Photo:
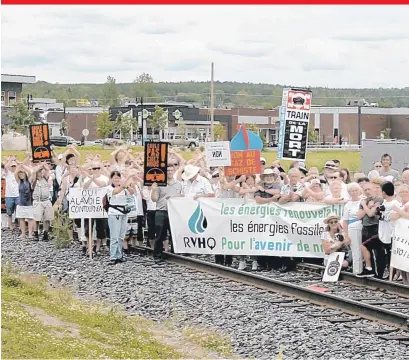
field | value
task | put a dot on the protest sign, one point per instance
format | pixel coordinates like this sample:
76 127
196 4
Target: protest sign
400 246
40 142
218 153
232 227
246 162
294 119
86 203
156 163
334 267
3 195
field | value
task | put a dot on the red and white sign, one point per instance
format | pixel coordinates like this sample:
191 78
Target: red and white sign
299 100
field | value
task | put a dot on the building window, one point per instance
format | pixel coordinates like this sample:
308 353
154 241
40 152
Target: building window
12 98
2 98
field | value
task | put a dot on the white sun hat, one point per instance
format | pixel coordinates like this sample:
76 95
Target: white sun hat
190 171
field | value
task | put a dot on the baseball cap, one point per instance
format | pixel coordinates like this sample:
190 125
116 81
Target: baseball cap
330 165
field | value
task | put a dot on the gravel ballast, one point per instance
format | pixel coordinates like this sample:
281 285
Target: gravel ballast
256 326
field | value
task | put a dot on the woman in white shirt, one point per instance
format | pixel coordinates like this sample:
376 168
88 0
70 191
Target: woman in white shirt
332 239
117 214
353 226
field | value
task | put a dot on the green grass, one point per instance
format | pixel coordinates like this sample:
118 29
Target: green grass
40 323
349 159
211 341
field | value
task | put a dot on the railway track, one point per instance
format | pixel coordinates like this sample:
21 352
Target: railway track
348 301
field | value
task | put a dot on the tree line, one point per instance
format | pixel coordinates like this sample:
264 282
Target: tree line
227 94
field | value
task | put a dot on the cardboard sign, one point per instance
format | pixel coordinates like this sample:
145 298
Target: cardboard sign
218 153
3 195
156 163
40 142
334 266
86 203
294 120
246 162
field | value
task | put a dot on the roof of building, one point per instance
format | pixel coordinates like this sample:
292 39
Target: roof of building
19 79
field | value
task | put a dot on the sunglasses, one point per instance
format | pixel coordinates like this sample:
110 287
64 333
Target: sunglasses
378 166
13 166
333 222
96 168
215 176
262 163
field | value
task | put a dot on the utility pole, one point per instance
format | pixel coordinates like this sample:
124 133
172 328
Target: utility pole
359 125
212 104
143 123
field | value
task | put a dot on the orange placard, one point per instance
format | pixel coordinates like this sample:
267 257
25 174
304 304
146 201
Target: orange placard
3 195
40 142
246 162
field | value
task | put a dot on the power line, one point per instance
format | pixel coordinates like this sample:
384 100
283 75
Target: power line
237 95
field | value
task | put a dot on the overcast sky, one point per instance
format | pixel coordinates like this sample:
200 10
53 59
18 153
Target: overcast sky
346 46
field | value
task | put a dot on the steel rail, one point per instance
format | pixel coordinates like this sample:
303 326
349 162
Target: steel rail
353 307
373 283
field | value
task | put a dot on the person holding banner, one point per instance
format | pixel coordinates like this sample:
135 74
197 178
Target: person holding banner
96 179
117 214
195 185
160 196
401 212
353 226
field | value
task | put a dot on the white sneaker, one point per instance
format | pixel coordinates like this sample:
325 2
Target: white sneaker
242 265
254 267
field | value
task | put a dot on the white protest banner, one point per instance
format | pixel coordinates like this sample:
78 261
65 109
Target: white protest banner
400 246
232 227
86 203
294 119
218 153
334 267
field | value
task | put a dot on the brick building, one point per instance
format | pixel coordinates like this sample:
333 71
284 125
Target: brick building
328 121
11 89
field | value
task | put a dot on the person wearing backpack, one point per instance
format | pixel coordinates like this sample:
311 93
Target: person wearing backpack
116 205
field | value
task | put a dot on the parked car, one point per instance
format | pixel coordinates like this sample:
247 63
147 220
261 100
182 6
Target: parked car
182 140
63 141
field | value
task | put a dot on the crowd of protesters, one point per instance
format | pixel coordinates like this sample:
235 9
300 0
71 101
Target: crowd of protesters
372 203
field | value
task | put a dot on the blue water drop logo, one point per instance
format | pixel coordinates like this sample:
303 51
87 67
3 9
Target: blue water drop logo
197 222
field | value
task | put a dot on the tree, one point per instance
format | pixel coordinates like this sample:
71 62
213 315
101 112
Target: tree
253 128
219 131
219 97
21 117
312 135
110 92
159 119
125 124
144 87
242 99
104 125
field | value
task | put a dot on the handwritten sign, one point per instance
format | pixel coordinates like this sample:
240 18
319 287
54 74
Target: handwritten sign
86 203
218 153
246 162
156 163
3 195
40 142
